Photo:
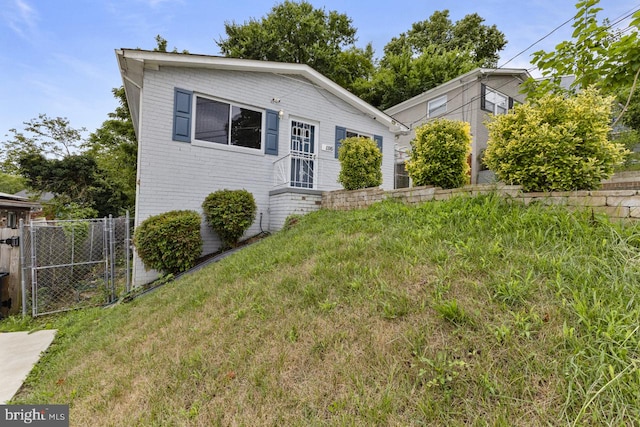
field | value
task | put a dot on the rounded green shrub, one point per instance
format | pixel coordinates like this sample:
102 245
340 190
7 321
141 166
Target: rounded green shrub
230 213
169 242
439 154
556 144
360 163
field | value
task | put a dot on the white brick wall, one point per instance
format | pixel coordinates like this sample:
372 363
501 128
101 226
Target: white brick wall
284 204
178 175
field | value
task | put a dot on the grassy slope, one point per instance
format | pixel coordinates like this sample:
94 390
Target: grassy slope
462 312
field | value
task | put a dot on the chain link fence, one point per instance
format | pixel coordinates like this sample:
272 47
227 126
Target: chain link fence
68 265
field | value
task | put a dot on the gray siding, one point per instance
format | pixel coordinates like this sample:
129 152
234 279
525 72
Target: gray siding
179 175
463 103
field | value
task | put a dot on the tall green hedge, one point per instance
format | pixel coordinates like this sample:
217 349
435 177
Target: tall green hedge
360 163
230 213
439 154
556 144
169 242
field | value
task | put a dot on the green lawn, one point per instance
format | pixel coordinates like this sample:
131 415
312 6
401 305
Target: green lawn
465 312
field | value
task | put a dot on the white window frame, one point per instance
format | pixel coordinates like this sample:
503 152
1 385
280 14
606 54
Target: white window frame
492 97
228 145
355 133
435 105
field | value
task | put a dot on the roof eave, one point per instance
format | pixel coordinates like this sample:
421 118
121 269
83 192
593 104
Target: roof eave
156 59
455 82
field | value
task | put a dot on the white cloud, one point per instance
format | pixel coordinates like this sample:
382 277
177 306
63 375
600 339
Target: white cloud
155 3
22 18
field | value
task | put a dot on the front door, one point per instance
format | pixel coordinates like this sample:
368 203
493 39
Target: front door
302 154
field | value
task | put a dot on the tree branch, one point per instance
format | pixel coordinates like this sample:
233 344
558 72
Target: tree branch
633 88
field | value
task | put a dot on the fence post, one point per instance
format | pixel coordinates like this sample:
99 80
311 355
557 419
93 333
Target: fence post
112 259
34 270
23 284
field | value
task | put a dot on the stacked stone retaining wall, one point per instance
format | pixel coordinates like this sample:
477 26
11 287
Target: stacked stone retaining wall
614 203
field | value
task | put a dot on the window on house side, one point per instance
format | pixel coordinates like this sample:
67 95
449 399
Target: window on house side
12 220
496 102
437 107
228 124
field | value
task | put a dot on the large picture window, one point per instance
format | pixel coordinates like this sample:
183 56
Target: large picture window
228 124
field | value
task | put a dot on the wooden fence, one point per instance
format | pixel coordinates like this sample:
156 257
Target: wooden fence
10 294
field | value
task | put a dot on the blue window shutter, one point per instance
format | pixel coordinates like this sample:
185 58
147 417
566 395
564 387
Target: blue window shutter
378 140
182 106
341 133
510 103
271 134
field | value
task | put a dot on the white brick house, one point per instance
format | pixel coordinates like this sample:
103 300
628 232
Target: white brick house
206 123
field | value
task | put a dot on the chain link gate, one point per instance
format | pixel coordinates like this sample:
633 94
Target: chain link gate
74 264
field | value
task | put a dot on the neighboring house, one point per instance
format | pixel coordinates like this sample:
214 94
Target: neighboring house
206 123
13 208
471 97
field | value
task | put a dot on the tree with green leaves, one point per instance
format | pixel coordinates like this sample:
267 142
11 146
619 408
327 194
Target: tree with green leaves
52 137
115 149
11 184
482 42
404 76
598 55
52 156
299 33
432 52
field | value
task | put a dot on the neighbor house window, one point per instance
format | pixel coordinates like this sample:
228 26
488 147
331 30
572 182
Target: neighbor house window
437 107
493 101
228 124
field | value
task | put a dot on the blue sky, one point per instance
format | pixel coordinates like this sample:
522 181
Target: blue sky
57 56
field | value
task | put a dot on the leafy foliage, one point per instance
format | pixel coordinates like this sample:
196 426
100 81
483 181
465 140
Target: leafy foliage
360 163
115 150
52 137
439 154
11 184
299 33
432 52
169 242
556 144
230 213
76 180
598 54
404 75
483 42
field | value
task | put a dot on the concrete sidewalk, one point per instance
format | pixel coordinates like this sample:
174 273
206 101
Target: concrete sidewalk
19 352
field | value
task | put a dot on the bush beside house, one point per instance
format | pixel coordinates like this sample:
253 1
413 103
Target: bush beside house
556 144
230 213
169 242
360 163
439 154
